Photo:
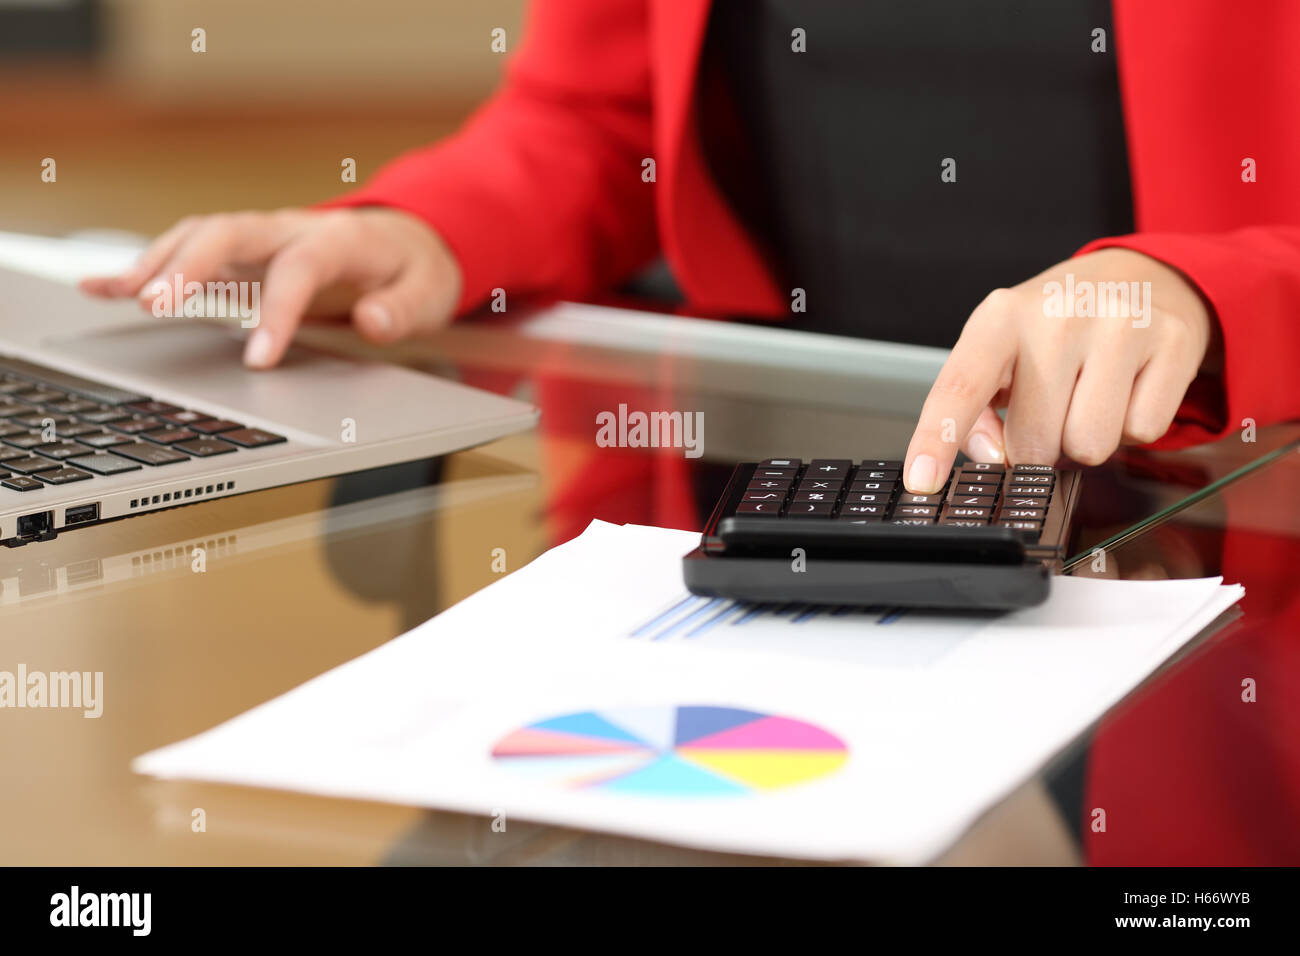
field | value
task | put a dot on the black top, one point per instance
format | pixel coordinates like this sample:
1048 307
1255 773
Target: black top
832 157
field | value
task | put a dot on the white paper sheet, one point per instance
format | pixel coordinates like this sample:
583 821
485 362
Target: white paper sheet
940 714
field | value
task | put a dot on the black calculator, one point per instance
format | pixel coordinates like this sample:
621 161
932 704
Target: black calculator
834 532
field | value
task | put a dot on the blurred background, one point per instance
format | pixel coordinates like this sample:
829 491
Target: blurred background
144 130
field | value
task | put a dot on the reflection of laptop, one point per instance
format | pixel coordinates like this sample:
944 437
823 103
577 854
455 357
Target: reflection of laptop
106 412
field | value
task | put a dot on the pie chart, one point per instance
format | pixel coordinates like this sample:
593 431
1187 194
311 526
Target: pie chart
682 751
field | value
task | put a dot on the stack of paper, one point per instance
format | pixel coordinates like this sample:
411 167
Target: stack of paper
588 689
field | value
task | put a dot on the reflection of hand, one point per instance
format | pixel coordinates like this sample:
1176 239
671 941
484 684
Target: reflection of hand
1079 383
402 277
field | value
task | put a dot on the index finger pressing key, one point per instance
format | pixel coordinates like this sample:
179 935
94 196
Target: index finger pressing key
965 386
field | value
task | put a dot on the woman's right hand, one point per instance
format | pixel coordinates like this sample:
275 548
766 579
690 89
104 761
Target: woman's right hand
397 275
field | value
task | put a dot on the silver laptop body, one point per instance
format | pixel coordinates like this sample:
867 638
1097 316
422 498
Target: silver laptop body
334 415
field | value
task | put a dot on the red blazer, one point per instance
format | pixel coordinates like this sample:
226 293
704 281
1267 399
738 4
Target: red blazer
542 190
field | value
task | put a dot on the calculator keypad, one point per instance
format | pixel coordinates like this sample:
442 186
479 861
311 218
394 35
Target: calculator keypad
976 494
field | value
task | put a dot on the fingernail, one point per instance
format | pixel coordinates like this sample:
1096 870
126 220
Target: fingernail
984 448
921 479
257 354
380 319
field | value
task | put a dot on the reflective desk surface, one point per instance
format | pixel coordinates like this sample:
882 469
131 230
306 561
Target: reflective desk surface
303 578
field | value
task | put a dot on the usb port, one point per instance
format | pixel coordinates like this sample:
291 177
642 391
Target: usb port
81 514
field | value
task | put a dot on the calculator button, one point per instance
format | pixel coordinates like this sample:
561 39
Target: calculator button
816 495
770 484
1035 490
912 521
777 496
829 468
1029 469
863 511
980 477
772 508
780 463
1031 514
963 512
1023 502
911 499
984 466
761 472
972 501
1032 479
1021 525
890 465
964 522
820 484
984 489
811 509
867 498
886 486
878 474
916 511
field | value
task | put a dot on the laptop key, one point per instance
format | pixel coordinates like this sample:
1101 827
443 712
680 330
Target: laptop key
21 483
134 426
41 420
185 417
103 439
170 436
59 450
14 411
26 440
212 426
207 447
63 476
104 416
106 394
72 406
148 454
102 463
75 431
251 437
153 408
30 465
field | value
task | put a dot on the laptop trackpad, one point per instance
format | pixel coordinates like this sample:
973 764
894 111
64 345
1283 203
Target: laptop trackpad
198 364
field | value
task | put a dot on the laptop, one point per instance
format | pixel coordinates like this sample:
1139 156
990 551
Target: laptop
106 412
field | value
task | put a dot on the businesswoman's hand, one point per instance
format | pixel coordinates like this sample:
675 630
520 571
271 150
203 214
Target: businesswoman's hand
396 275
1072 382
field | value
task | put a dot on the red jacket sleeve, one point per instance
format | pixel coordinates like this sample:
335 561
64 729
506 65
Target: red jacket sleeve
1251 278
541 190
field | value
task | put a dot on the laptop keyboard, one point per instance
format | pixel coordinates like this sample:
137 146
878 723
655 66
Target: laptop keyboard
99 429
